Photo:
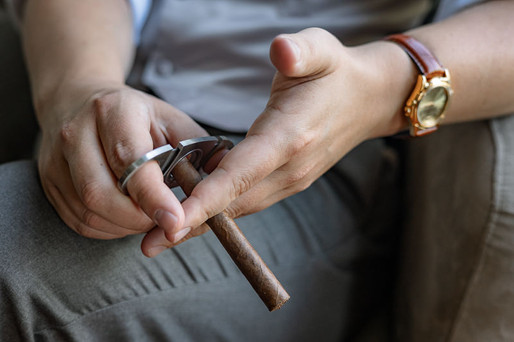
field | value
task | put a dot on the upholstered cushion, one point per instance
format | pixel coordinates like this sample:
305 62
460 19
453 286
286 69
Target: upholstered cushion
18 127
457 266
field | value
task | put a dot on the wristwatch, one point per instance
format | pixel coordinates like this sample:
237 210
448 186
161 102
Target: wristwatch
429 99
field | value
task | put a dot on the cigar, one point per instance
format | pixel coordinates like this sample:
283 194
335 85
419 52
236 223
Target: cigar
263 281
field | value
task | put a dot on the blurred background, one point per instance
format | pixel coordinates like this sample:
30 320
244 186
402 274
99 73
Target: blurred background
18 127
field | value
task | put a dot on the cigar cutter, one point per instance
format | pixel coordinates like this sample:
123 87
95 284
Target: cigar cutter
197 150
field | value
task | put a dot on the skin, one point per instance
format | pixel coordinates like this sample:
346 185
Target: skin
326 98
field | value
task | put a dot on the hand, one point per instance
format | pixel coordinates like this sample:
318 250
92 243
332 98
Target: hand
87 144
324 101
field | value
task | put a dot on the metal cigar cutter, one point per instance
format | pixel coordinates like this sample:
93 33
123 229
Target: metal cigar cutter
198 150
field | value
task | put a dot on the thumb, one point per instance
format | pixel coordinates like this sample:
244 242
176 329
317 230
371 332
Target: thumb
309 52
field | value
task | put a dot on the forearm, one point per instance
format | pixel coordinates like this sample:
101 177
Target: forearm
72 46
478 48
476 45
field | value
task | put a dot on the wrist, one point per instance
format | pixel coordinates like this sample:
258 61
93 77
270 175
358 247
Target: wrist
66 95
394 76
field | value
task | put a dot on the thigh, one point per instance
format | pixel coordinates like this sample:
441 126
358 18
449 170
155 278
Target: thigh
329 246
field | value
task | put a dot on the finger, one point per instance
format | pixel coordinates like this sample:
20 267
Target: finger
124 123
75 214
244 166
147 188
155 241
291 178
86 228
308 52
126 140
175 125
150 191
211 164
96 186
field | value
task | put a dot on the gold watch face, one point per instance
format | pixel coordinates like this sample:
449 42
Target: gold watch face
432 106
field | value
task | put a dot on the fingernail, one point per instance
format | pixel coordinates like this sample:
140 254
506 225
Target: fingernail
165 219
295 48
180 234
154 251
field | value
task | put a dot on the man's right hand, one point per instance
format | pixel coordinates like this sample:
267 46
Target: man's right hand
94 126
86 148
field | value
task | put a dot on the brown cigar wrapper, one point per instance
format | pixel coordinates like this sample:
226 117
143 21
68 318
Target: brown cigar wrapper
235 243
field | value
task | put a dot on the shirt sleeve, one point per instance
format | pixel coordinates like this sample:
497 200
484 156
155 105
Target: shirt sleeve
140 11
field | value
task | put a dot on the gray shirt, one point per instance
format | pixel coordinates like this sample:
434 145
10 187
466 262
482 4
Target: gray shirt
211 59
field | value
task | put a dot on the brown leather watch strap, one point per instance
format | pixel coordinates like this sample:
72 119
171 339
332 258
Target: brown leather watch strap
427 63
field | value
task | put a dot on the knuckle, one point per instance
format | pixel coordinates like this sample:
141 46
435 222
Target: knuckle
121 155
241 185
234 211
325 58
299 179
301 142
103 103
300 186
83 230
297 176
90 219
92 195
68 134
107 108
